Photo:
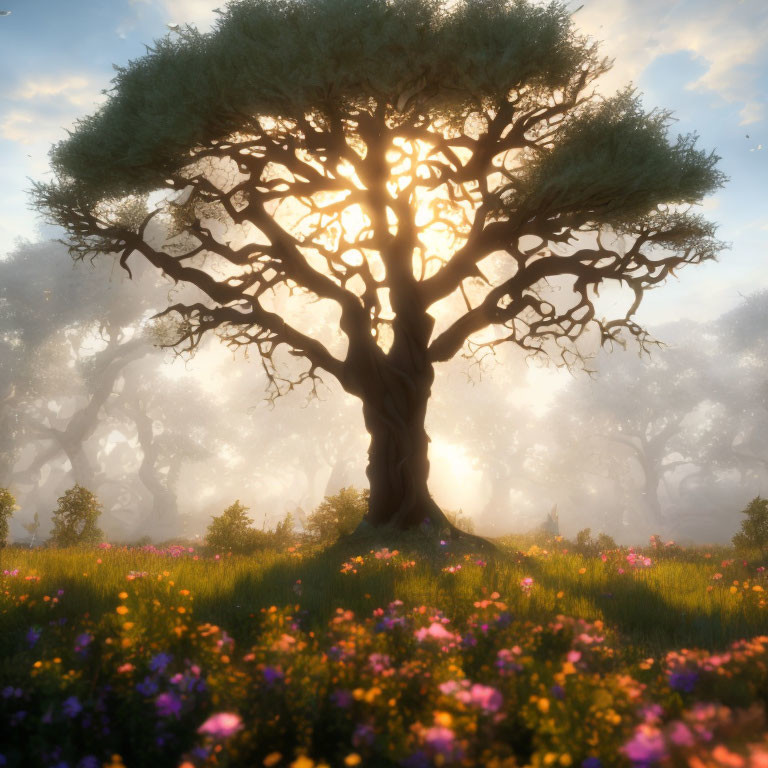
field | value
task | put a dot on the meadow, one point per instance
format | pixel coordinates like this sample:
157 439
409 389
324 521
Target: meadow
406 656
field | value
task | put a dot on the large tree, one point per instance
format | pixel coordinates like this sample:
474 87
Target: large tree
424 168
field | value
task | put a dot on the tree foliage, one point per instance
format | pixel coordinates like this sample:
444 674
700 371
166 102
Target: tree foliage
754 530
75 520
233 531
7 506
338 515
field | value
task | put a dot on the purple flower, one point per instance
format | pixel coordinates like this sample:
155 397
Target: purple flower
680 734
168 705
221 725
683 680
342 698
72 707
89 761
272 675
33 635
558 692
591 762
147 687
364 735
440 739
159 662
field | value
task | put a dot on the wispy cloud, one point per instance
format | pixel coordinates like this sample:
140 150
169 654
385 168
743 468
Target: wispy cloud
42 107
733 47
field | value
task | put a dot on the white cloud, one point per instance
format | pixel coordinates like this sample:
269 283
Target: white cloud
40 108
74 89
197 12
729 42
752 112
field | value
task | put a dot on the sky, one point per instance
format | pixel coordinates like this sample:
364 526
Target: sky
706 60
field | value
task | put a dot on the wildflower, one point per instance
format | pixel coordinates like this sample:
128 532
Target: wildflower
168 705
33 635
591 762
484 697
526 584
342 698
680 734
124 668
434 632
221 725
272 675
440 739
147 687
72 707
160 661
646 746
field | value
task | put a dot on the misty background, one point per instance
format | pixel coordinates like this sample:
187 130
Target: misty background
675 443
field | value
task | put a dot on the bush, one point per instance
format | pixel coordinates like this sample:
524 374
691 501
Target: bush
74 521
7 505
587 546
232 531
754 530
338 515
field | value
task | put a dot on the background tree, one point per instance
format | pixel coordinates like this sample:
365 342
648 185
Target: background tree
415 166
754 530
75 519
7 506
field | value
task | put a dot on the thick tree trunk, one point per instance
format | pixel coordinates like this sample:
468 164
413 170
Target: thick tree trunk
398 466
394 412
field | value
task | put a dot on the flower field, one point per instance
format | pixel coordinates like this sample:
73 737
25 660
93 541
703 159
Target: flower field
535 657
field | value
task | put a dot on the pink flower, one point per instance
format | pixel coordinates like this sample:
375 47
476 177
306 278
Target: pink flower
680 734
646 746
221 725
440 739
485 697
435 632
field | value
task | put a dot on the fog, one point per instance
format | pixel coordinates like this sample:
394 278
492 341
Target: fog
675 443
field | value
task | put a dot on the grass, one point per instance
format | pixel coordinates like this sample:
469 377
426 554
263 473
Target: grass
354 655
654 609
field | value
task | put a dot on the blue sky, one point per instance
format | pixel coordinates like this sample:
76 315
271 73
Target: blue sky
707 60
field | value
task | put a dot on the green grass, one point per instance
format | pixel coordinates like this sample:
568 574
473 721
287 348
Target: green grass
654 609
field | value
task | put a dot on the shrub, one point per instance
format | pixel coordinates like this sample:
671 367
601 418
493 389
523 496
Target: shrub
338 515
74 521
232 531
754 530
587 546
7 505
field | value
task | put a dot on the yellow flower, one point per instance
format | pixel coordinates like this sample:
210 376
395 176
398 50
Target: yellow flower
123 595
352 759
128 625
543 705
565 759
272 759
122 610
444 719
582 571
302 762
